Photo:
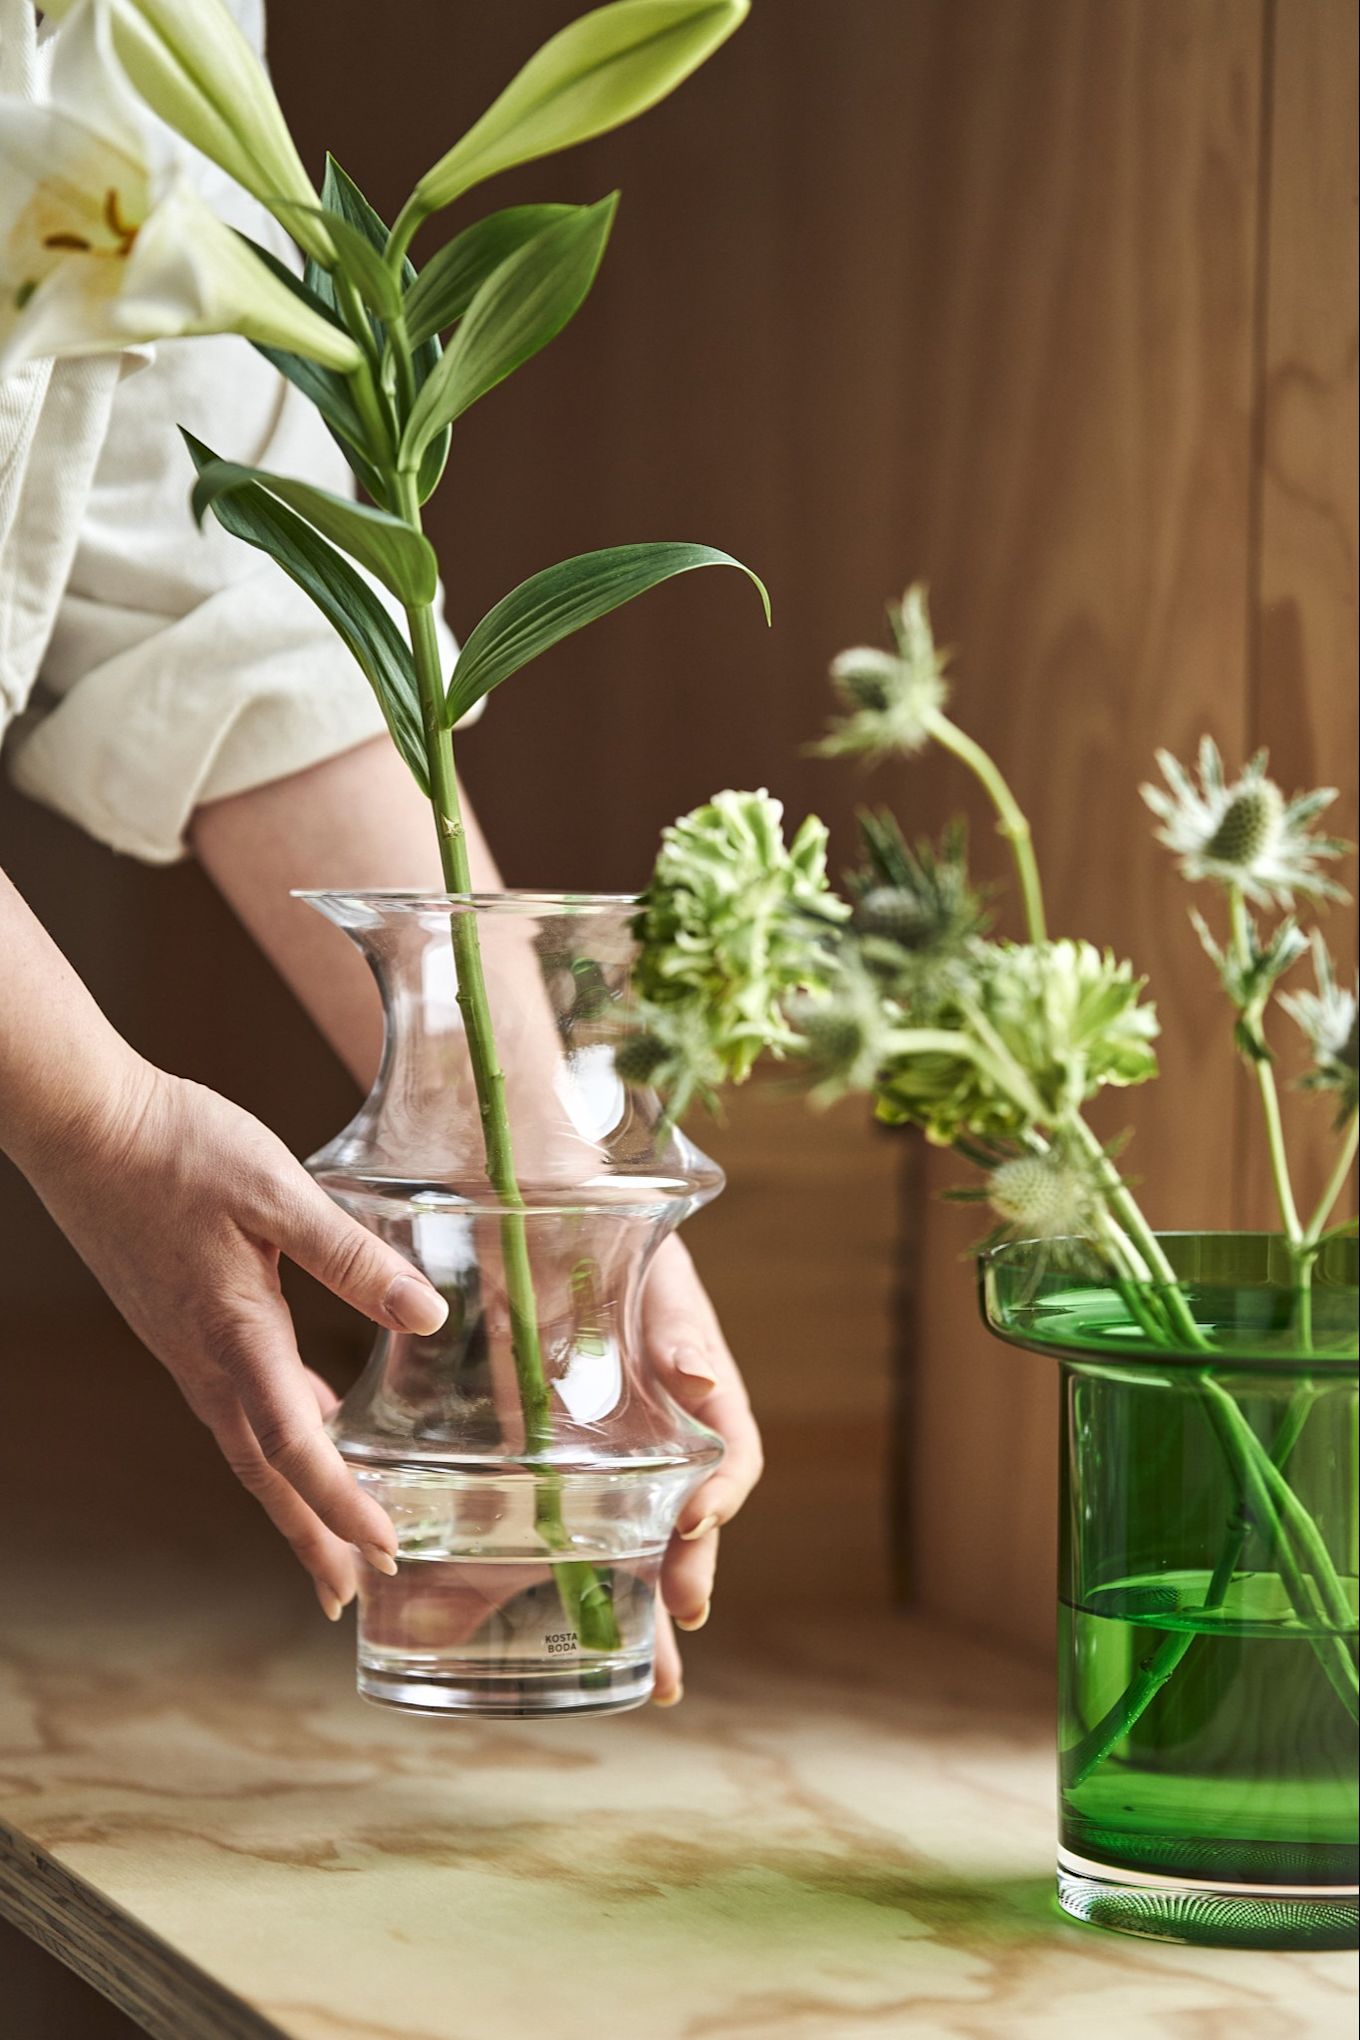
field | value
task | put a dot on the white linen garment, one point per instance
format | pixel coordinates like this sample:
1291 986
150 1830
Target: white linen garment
145 667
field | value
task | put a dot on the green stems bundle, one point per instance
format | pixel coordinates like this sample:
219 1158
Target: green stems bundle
995 1048
392 357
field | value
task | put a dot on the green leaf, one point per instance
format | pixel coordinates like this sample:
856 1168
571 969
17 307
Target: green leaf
357 256
523 304
550 606
349 605
401 559
341 195
451 279
598 72
323 387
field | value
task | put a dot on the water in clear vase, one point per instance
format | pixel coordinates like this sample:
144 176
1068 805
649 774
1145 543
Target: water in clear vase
531 1461
1208 1689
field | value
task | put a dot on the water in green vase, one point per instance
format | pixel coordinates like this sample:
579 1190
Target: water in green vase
1239 1773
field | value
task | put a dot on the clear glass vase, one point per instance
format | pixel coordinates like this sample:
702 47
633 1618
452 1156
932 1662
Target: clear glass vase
533 1465
1207 1593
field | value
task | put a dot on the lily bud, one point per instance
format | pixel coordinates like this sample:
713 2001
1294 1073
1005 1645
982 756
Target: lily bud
191 64
597 73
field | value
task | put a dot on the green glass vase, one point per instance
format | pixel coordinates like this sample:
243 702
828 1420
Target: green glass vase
1207 1589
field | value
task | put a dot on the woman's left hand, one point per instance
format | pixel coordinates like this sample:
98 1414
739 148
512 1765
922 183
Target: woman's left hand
691 1357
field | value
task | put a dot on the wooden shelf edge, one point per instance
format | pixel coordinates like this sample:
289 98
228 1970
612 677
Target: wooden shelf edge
168 1996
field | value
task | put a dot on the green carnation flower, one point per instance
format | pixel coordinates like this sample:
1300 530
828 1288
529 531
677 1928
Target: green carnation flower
733 923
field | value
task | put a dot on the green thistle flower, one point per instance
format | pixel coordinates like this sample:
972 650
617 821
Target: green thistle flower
1244 834
1044 1197
671 1053
892 700
733 923
917 897
1328 1018
845 1035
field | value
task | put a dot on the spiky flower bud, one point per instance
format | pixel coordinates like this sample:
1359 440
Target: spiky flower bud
865 677
1042 1196
897 914
1244 835
1328 1018
893 698
638 1059
1250 823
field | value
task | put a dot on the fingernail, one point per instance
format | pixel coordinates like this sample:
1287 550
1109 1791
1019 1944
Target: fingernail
415 1306
669 1699
698 1621
689 1360
380 1559
332 1607
700 1529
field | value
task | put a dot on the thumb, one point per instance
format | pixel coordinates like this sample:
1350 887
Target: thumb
356 1265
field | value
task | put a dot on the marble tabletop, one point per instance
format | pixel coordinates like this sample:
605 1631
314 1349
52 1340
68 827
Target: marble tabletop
844 1833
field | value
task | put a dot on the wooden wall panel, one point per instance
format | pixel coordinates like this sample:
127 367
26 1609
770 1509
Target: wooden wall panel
1303 675
1080 364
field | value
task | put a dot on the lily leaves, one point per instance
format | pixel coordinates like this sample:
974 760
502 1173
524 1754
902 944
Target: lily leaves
595 74
254 512
396 554
552 605
451 279
523 304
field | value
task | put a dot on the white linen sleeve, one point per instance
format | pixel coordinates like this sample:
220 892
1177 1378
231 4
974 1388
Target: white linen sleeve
186 666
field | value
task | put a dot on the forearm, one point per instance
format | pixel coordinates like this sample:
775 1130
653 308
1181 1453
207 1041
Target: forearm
62 1063
357 820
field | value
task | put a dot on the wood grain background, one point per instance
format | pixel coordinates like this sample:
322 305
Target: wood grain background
1051 301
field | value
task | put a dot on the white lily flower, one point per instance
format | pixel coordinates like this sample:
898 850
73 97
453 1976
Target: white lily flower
190 63
104 243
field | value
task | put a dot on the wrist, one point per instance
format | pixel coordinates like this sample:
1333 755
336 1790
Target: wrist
83 1107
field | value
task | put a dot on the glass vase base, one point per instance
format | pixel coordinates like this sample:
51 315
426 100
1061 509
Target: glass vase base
1208 1915
520 1696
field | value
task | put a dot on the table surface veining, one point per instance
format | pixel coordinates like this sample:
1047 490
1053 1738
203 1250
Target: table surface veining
845 1833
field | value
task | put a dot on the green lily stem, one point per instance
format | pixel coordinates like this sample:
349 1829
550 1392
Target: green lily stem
1336 1183
1265 1079
404 231
1011 820
1078 1762
585 1598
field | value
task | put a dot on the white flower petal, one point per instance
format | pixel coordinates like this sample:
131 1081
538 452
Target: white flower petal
71 312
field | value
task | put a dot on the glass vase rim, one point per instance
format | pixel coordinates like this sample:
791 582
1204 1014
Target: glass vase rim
1256 1357
422 899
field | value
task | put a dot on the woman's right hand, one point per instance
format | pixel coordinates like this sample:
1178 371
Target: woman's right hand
182 1204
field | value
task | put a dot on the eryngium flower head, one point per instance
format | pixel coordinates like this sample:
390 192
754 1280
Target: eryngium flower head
1244 833
670 1052
845 1033
1328 1020
1249 976
1044 1196
733 922
891 698
916 916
